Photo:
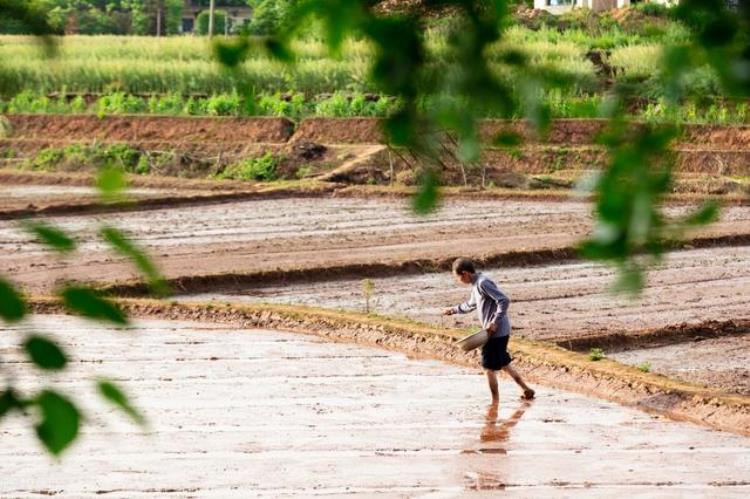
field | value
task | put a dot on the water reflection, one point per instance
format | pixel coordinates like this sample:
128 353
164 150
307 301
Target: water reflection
493 438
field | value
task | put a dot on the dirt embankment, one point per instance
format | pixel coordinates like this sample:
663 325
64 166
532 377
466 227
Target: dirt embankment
203 145
544 363
150 128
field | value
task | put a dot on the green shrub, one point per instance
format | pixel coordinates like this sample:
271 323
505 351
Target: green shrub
46 159
220 22
303 171
596 354
645 367
6 129
224 105
262 168
120 103
652 9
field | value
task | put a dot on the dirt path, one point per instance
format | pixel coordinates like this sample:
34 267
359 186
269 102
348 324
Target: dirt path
294 233
279 417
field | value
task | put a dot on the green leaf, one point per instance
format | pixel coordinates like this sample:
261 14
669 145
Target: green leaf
706 214
116 396
45 353
86 302
60 421
126 247
8 402
630 280
111 183
12 306
231 53
279 50
51 236
426 198
508 139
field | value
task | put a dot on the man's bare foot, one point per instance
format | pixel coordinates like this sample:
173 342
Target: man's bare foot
528 394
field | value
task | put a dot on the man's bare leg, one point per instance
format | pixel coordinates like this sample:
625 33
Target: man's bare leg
492 380
528 393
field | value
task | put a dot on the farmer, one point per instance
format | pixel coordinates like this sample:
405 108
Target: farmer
492 307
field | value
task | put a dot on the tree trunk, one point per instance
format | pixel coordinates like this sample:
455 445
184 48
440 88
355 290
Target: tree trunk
211 9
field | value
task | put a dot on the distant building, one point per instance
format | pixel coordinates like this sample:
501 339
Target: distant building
561 6
237 15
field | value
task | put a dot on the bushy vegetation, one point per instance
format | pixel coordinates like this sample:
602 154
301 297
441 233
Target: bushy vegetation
220 22
345 105
144 65
97 17
263 168
75 157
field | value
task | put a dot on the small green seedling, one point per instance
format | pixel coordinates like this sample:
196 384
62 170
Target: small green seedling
367 287
645 367
596 354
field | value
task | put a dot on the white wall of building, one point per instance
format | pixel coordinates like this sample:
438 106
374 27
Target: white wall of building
561 6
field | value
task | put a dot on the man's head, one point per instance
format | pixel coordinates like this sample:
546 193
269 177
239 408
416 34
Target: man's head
463 270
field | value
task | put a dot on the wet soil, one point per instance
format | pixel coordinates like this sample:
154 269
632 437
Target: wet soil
278 416
26 198
302 233
549 302
717 362
694 295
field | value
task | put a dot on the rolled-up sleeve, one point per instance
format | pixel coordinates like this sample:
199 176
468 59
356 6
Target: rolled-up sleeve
466 307
491 291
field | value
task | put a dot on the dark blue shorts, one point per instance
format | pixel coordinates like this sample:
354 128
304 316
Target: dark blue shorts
495 354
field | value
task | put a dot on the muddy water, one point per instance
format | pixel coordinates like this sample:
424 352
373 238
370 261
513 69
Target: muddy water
548 302
239 413
719 362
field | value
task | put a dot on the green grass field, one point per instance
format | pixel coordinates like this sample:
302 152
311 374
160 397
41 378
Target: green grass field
179 76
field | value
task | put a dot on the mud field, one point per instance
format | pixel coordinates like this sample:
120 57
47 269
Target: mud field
14 197
304 233
550 302
717 362
276 416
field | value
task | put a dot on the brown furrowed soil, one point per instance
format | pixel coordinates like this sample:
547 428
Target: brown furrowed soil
303 233
549 302
19 201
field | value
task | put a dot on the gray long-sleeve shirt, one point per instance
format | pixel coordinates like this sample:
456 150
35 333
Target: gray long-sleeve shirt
491 305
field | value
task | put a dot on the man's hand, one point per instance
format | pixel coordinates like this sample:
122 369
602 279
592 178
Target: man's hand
492 328
448 311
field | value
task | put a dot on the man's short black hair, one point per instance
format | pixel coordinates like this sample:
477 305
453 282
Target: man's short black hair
463 265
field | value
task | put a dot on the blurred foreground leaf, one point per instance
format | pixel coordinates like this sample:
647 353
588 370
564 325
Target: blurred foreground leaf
60 421
45 353
87 302
12 306
51 236
126 247
116 396
111 183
